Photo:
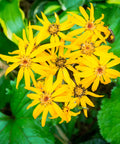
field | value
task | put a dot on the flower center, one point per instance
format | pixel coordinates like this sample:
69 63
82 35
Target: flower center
46 99
79 91
100 70
90 25
25 62
53 29
60 62
87 48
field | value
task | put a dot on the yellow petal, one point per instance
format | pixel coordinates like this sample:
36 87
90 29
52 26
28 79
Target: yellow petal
27 77
66 75
24 37
88 101
57 18
91 12
83 104
40 20
33 96
19 76
38 110
76 32
83 12
10 58
113 72
36 90
33 104
95 83
45 18
48 84
11 68
113 63
99 20
93 94
44 116
32 77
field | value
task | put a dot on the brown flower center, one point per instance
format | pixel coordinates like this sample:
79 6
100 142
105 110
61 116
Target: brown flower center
87 48
25 62
53 29
90 25
46 99
60 62
79 91
100 70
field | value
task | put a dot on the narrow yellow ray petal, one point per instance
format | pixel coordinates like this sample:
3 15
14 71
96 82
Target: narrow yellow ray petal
61 99
113 72
75 114
38 110
98 34
113 63
37 27
33 104
83 104
44 116
52 112
15 52
66 75
60 91
72 104
83 12
65 37
19 76
106 79
76 32
30 32
37 68
93 94
27 77
58 110
99 20
10 58
36 90
33 96
81 20
40 20
32 77
11 68
24 37
95 83
91 12
57 18
88 101
48 84
45 18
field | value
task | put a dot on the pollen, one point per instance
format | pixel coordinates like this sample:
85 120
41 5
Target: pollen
53 29
60 62
87 48
79 91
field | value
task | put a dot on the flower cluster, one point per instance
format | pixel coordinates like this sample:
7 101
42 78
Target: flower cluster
66 71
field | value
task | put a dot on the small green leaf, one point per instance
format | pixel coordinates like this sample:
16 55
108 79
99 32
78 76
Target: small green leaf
109 118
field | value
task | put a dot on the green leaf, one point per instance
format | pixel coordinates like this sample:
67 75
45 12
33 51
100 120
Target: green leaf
6 45
109 118
94 141
11 18
20 127
4 98
70 4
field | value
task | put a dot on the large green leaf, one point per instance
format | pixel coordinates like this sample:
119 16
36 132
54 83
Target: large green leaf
11 17
109 117
20 127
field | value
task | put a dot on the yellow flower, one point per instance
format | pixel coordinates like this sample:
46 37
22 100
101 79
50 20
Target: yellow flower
90 26
46 98
54 30
80 94
87 47
67 110
60 64
26 59
98 70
